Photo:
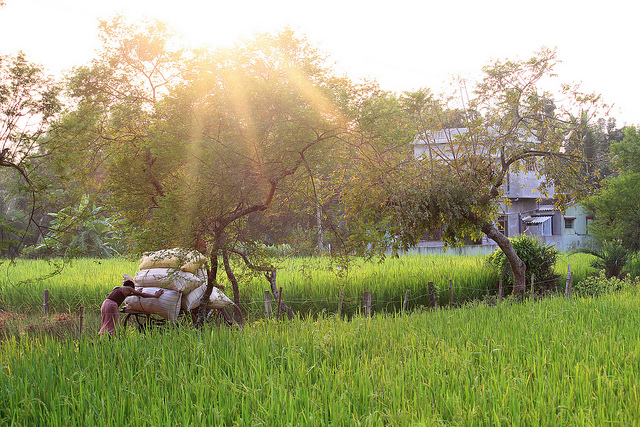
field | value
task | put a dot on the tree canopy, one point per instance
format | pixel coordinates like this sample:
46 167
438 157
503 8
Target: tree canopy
188 145
206 148
507 124
616 205
29 105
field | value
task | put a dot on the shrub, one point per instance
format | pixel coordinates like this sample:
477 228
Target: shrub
538 257
602 284
79 231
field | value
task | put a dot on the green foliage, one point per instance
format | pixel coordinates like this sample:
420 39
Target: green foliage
611 257
456 185
544 363
593 286
229 146
616 205
29 104
81 230
626 154
253 114
617 211
14 230
538 258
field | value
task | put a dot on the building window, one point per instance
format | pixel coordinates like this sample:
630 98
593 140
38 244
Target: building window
502 225
568 223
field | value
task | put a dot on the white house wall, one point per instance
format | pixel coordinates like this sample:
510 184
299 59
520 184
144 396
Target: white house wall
524 184
522 191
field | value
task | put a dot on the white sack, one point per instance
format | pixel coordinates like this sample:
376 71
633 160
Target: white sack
217 299
183 259
194 261
201 274
154 262
166 306
167 278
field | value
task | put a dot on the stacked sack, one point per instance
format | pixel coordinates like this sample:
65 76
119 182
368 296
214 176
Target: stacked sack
179 272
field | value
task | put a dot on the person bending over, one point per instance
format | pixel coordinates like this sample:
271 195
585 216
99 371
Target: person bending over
109 309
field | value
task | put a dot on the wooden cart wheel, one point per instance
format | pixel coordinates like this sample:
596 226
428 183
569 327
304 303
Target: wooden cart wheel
140 321
143 321
126 320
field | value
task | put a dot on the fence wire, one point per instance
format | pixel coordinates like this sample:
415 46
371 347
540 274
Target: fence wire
442 295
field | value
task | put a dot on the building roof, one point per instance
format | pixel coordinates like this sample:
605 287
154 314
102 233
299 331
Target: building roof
536 219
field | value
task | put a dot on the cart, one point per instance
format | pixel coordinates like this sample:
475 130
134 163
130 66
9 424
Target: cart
144 321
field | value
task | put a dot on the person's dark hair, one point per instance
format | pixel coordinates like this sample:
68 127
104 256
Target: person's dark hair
128 283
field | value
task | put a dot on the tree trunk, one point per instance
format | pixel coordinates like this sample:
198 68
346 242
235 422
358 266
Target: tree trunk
271 277
212 276
517 265
234 285
319 230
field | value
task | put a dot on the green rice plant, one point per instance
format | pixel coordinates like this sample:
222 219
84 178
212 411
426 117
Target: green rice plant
313 285
310 285
580 265
548 362
71 283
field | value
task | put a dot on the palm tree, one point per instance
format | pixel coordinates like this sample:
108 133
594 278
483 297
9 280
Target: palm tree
610 257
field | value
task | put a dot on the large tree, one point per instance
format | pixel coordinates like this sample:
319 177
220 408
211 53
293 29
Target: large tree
246 128
28 106
112 109
616 205
507 123
229 134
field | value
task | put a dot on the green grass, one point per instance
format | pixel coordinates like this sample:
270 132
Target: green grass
310 285
314 284
548 362
79 282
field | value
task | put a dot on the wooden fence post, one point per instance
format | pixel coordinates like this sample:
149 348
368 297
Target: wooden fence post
500 291
533 276
432 293
406 300
279 303
450 293
571 284
267 304
567 287
340 303
45 302
81 314
367 304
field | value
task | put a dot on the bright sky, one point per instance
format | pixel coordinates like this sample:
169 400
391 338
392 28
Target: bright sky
403 44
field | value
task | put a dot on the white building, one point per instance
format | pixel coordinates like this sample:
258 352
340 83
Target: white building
524 210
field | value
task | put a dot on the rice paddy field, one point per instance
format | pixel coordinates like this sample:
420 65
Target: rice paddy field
552 361
546 362
310 285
